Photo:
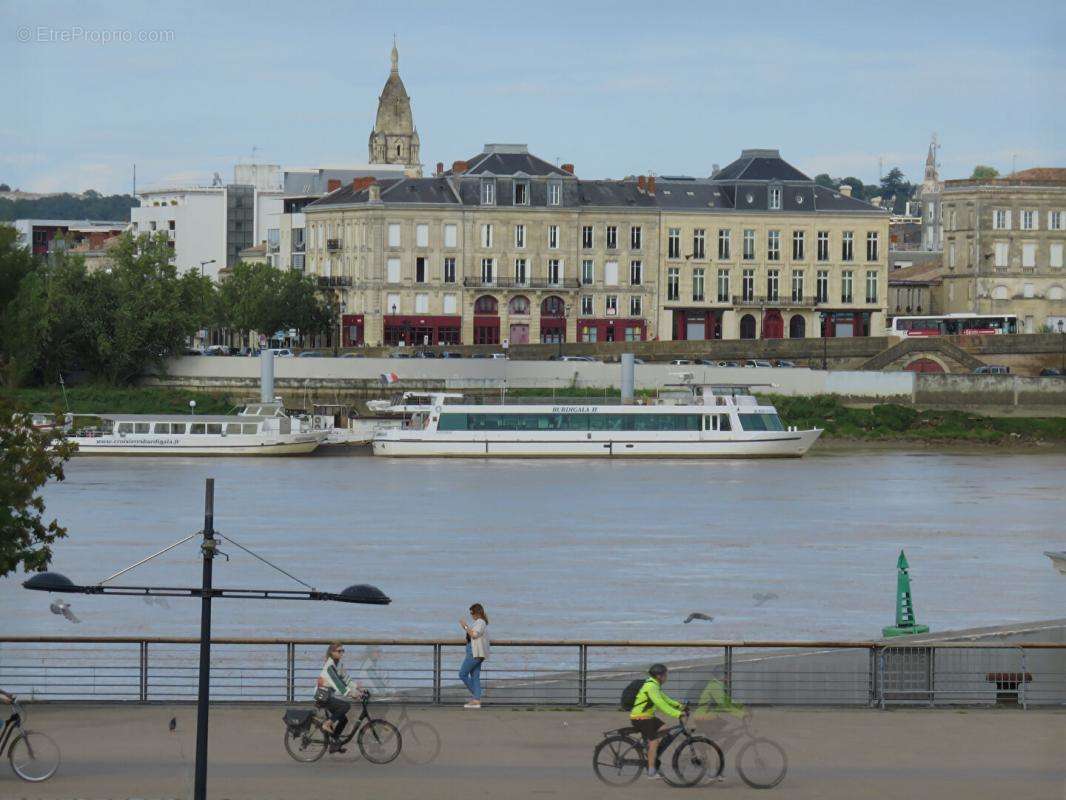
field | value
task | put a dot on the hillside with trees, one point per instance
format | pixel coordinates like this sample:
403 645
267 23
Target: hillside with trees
88 205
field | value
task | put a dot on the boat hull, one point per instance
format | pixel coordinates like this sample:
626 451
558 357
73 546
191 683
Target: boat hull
99 447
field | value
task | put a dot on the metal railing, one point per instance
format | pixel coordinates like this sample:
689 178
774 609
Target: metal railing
781 301
583 673
510 283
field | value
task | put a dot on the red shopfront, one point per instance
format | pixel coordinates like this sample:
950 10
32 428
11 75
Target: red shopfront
842 324
697 323
612 330
353 330
416 330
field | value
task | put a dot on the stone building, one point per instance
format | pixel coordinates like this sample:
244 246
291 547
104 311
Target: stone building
1003 247
506 247
394 139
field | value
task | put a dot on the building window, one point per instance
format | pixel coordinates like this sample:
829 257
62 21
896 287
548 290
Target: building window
847 246
611 305
393 303
1054 220
612 237
723 286
392 267
449 270
1055 255
1028 256
699 248
590 333
673 284
773 245
634 237
555 193
823 245
421 235
846 280
420 270
773 285
871 286
798 245
822 287
586 304
586 237
749 244
520 276
610 273
450 304
636 273
697 285
797 286
871 246
555 271
723 244
673 243
521 193
486 235
488 191
520 236
775 198
488 269
450 235
394 234
747 285
553 237
951 255
1002 251
421 303
1001 219
1028 220
587 271
634 306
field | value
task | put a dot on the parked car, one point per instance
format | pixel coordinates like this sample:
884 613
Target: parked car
354 355
784 362
447 354
192 351
729 363
587 359
311 354
760 363
281 352
681 362
706 362
499 356
216 350
1051 372
481 355
400 355
992 369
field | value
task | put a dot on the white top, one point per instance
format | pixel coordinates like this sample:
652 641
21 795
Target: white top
479 639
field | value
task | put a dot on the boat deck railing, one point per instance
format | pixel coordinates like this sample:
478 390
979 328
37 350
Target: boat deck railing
873 674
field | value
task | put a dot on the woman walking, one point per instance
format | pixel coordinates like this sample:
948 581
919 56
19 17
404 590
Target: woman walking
333 680
477 650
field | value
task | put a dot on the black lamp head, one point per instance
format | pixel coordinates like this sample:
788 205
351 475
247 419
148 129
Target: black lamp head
364 593
50 582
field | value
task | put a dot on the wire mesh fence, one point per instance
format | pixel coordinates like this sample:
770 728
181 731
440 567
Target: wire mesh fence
557 673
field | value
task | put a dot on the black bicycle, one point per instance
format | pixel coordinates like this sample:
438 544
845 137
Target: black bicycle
34 756
306 740
622 756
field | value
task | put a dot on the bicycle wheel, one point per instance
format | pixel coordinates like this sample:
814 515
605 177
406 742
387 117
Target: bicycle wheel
421 742
306 745
762 764
379 741
696 758
34 756
618 760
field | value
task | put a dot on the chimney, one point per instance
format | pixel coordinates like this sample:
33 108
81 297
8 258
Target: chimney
359 184
651 184
876 202
845 189
440 167
640 183
375 193
568 168
459 167
715 169
333 184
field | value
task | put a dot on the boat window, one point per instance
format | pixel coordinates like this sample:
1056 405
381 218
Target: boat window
177 427
142 427
452 422
197 427
233 427
253 411
723 423
569 422
249 428
125 427
761 422
214 427
161 427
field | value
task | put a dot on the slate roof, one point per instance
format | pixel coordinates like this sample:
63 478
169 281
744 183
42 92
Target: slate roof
493 161
760 165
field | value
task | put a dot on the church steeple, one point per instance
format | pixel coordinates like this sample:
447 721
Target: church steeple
394 139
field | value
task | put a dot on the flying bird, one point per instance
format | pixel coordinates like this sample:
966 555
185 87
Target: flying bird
698 615
762 598
63 609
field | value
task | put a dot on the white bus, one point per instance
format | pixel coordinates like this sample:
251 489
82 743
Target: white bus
954 325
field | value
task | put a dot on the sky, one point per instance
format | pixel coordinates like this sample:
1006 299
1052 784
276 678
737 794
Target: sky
186 89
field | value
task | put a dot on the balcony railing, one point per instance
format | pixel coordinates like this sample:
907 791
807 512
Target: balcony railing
297 247
510 283
330 281
781 301
333 245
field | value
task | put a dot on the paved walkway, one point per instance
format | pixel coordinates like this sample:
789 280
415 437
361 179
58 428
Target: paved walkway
126 752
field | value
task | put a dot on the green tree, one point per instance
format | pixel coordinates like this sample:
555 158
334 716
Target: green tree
4 187
983 172
28 458
823 179
857 188
16 262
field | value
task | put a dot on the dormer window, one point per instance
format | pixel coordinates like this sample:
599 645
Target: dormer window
775 198
488 192
555 193
521 193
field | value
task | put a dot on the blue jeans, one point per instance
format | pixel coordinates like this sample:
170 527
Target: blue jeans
470 673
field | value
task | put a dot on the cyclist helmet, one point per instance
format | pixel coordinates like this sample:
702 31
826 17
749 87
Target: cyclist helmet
657 670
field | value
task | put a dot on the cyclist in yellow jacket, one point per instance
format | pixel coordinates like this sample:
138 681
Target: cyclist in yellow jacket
642 716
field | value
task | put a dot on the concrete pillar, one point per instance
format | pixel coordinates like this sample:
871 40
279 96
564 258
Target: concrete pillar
730 324
266 376
627 378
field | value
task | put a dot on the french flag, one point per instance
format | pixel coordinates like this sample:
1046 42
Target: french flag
389 377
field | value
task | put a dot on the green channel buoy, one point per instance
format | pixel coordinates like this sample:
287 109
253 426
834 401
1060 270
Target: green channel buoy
905 622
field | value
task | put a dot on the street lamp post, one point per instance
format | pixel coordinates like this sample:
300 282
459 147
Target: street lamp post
55 582
1062 341
562 334
204 264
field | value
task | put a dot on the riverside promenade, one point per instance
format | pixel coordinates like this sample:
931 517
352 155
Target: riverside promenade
123 751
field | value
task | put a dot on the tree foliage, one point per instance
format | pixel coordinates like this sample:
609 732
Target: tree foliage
983 172
259 297
90 205
28 459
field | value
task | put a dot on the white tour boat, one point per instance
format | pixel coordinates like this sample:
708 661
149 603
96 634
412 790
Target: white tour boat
260 429
701 422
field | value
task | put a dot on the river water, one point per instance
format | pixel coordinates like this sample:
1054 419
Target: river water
568 548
